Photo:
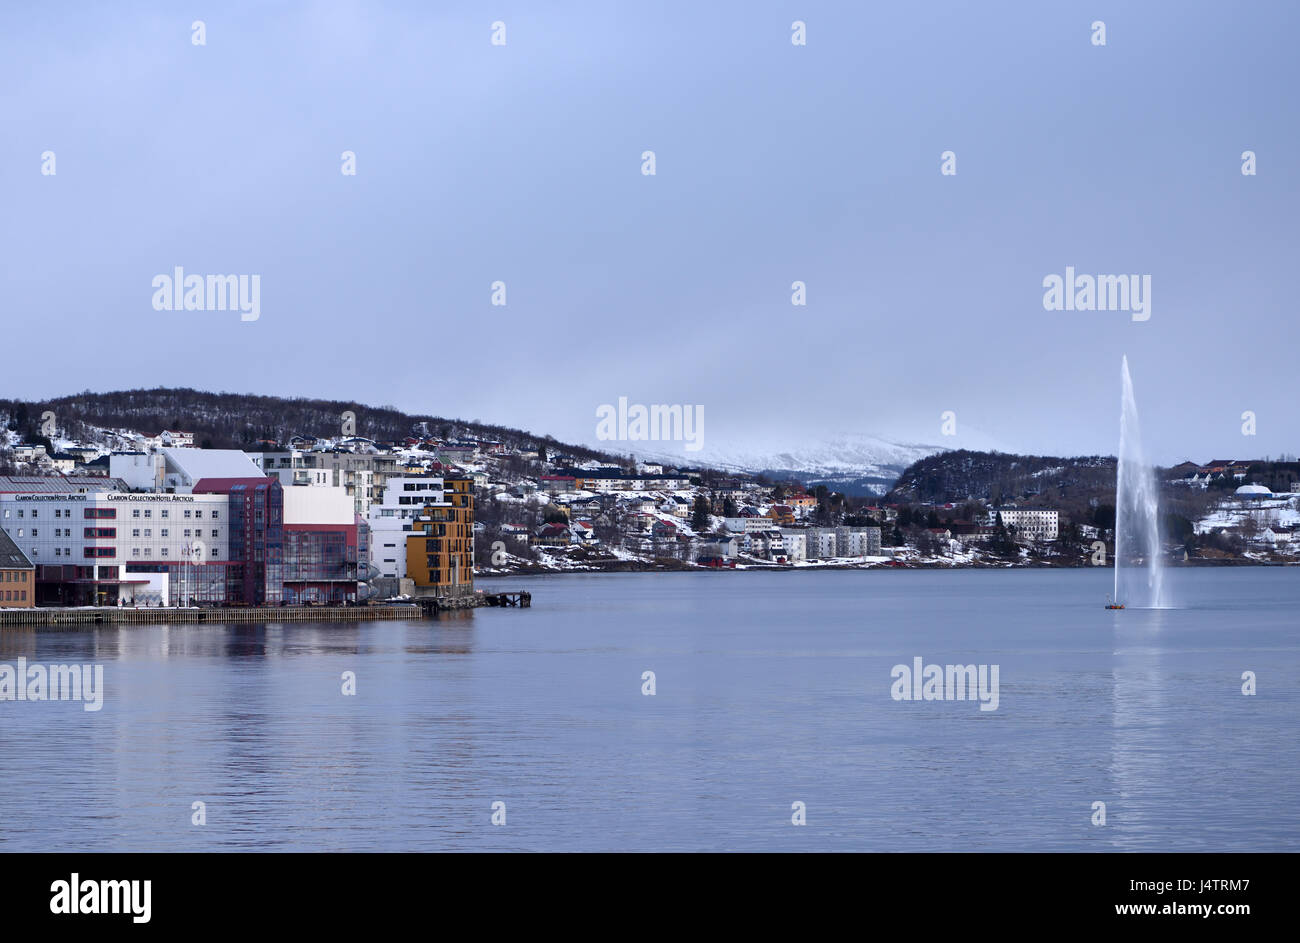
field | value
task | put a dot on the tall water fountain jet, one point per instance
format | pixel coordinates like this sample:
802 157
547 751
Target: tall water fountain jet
1139 569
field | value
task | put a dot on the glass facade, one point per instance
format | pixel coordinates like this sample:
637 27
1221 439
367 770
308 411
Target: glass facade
322 563
255 572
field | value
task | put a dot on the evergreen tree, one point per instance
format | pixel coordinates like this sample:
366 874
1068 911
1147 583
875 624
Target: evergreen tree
700 514
1002 543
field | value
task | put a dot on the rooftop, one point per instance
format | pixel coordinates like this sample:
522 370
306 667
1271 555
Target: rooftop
11 558
59 484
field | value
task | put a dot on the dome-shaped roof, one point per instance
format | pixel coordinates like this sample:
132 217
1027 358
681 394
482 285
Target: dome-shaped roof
1253 490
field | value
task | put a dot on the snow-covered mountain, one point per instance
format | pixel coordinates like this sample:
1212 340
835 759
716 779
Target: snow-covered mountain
856 464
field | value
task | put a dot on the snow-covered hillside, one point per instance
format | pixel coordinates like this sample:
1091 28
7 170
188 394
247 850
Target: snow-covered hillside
856 464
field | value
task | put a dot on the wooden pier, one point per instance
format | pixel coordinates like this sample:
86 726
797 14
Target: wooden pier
107 615
432 605
113 615
520 600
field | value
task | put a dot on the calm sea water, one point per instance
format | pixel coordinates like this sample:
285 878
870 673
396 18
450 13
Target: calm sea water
771 689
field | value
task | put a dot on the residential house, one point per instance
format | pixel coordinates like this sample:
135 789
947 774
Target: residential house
17 576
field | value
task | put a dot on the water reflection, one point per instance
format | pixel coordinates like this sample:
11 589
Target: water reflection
1139 762
770 688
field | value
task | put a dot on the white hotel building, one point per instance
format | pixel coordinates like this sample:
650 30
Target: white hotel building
115 544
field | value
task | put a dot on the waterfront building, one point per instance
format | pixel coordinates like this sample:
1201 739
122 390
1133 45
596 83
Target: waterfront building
254 563
391 520
101 547
440 548
17 576
326 547
796 545
864 542
821 543
1031 523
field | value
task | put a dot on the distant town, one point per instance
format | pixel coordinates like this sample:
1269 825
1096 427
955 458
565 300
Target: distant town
122 517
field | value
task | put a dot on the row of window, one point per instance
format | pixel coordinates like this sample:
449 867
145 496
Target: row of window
13 576
12 595
97 552
103 533
91 514
215 553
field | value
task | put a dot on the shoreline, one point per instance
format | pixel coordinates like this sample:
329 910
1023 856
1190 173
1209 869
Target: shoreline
831 567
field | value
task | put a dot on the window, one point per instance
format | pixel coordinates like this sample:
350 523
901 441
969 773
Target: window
216 533
135 551
165 513
198 513
99 513
187 513
216 552
163 532
187 532
148 512
135 512
94 532
99 552
135 532
215 515
148 531
164 551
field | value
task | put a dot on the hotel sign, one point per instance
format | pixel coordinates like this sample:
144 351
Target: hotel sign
149 497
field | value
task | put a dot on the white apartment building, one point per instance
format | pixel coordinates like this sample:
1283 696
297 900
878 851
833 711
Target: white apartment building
363 474
1030 523
747 525
863 543
796 545
824 543
391 519
821 543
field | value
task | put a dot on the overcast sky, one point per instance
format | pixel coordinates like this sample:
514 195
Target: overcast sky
774 163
